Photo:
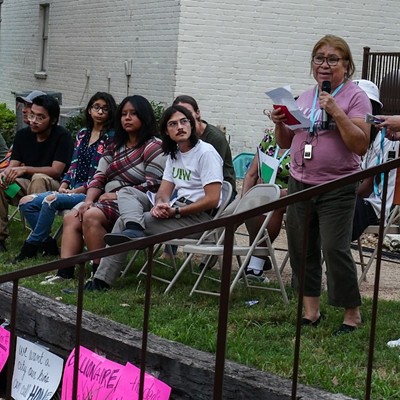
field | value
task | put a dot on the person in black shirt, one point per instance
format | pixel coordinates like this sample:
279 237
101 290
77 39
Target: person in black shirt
41 155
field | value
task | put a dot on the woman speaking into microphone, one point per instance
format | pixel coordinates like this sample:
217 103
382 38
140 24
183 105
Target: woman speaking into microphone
329 149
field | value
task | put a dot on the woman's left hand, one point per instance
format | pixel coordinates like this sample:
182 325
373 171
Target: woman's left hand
327 102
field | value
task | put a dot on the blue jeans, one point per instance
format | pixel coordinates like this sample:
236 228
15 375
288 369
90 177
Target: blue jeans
40 213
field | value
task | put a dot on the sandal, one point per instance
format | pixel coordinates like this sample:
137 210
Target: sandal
343 329
308 322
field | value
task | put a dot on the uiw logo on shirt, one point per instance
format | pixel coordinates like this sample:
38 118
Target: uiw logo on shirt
180 173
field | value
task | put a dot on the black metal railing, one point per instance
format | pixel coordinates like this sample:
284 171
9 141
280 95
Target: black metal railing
230 223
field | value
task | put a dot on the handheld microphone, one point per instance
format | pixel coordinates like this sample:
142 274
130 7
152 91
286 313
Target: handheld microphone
326 87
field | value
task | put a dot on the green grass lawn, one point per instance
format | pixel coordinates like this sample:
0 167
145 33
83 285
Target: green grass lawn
261 336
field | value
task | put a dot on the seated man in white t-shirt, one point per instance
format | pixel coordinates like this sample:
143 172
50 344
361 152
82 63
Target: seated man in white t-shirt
193 170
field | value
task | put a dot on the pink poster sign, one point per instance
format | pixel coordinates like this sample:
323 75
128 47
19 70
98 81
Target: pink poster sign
4 346
102 379
154 389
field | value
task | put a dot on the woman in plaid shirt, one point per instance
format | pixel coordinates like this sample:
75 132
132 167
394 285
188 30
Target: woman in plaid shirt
135 159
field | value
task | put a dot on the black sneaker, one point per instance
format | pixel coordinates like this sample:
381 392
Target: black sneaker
96 285
267 264
126 235
28 250
50 247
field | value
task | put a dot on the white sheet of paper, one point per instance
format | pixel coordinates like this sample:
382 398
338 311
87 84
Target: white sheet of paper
283 96
152 198
37 372
267 167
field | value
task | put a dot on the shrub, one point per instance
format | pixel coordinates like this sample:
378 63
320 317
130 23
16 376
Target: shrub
76 123
158 109
8 122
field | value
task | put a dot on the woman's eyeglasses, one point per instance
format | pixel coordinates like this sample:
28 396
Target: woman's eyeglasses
332 61
97 108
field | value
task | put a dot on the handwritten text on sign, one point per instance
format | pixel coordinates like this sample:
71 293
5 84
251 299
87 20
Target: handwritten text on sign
37 372
99 379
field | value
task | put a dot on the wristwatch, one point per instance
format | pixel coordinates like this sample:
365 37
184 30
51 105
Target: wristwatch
177 213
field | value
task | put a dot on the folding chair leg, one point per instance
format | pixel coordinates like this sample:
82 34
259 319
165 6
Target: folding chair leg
130 263
284 262
279 277
178 273
367 267
58 232
202 275
361 255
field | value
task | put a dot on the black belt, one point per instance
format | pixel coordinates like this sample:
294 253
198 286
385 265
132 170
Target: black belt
211 212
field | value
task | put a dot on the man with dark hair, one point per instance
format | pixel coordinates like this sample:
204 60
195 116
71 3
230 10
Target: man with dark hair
41 155
211 134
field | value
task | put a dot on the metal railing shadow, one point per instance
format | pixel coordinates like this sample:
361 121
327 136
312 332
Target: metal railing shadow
230 223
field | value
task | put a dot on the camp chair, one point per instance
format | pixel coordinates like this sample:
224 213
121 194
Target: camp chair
16 215
392 226
206 236
241 164
257 196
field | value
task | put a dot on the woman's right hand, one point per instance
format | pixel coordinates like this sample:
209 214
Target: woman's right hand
83 208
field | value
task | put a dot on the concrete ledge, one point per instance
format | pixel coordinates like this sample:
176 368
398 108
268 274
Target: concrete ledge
189 372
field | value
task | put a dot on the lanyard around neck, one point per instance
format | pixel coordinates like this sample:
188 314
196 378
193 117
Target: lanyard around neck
379 160
314 105
282 157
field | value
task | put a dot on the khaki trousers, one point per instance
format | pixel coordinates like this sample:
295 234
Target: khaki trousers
39 183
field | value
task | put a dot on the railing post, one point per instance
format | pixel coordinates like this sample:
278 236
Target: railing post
146 320
13 338
78 329
223 312
374 314
301 278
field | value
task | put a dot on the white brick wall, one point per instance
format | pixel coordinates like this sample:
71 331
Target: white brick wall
226 53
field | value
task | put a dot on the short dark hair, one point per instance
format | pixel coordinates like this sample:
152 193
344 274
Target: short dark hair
144 112
50 104
112 108
184 98
169 146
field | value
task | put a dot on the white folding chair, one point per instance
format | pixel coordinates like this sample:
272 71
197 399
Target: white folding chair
206 236
392 226
258 195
